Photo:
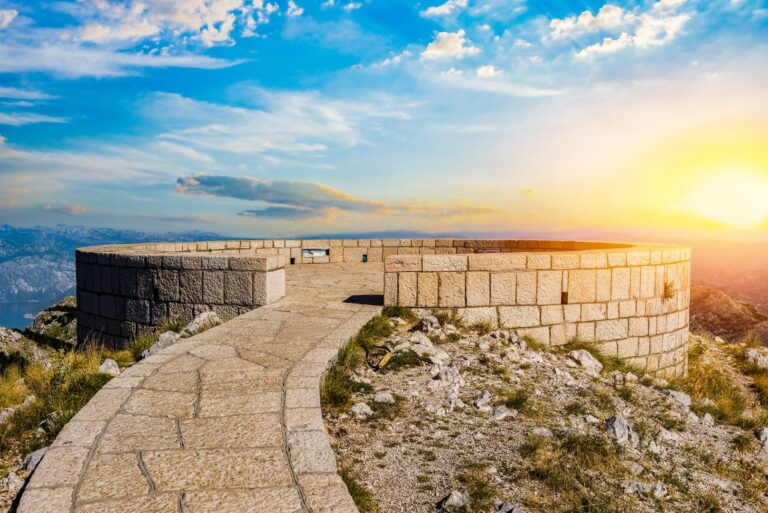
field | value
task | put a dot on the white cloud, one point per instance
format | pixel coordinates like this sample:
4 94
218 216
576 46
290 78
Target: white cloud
7 16
23 94
293 9
445 9
449 45
608 17
289 123
72 60
27 118
352 6
607 45
658 25
488 71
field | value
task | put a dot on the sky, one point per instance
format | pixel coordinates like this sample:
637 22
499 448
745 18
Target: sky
273 118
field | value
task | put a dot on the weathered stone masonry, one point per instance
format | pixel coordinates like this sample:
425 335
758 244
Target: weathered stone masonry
630 300
121 295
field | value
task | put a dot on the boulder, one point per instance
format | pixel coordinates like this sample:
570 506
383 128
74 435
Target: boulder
756 358
618 428
384 398
584 358
167 339
454 501
109 366
32 460
680 398
429 323
362 411
202 322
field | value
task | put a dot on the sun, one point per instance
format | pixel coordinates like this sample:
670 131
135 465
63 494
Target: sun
735 197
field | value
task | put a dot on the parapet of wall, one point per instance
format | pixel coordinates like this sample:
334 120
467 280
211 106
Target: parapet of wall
121 294
631 301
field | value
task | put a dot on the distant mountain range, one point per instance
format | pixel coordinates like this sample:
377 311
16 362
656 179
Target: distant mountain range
38 263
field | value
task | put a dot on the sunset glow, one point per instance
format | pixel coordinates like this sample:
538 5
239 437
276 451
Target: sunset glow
732 197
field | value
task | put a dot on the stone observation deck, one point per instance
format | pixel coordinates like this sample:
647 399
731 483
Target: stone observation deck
230 421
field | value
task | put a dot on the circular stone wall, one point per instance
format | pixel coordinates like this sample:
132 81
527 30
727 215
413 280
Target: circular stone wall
630 300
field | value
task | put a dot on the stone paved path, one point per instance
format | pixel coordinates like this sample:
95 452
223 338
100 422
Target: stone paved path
228 421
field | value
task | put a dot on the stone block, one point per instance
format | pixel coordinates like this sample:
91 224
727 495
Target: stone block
215 263
519 316
611 330
572 313
336 254
503 289
538 261
478 288
275 285
145 283
526 288
390 289
479 315
627 348
594 311
552 314
647 281
585 331
634 283
213 287
427 296
549 288
582 286
620 283
128 284
107 306
617 259
354 255
561 334
496 262
638 258
565 261
191 286
603 286
444 263
191 262
407 294
171 262
375 254
158 312
638 326
540 334
238 288
137 310
401 263
167 284
452 289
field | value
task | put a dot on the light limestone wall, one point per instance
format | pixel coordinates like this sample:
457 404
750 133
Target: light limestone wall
122 295
629 302
353 250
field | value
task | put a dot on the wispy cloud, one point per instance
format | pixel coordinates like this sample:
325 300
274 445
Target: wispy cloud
66 210
303 200
24 94
70 60
286 123
27 118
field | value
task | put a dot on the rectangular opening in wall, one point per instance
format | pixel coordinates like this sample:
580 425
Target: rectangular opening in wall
308 252
293 260
564 298
365 258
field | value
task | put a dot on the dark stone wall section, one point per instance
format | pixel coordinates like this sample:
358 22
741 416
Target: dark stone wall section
120 296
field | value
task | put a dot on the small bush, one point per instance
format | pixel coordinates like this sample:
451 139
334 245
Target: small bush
173 324
610 363
518 399
140 344
360 494
483 327
405 314
669 290
480 490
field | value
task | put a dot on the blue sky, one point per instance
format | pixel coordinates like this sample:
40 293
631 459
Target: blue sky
265 118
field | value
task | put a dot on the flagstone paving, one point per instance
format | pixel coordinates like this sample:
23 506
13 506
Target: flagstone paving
227 421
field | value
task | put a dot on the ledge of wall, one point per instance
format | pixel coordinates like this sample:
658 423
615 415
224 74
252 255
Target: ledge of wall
631 302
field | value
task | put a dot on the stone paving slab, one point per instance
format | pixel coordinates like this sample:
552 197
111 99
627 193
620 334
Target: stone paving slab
228 421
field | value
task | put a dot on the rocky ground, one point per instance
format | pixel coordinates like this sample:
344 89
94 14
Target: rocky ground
458 420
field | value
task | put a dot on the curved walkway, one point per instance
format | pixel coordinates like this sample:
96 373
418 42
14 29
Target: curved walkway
227 421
